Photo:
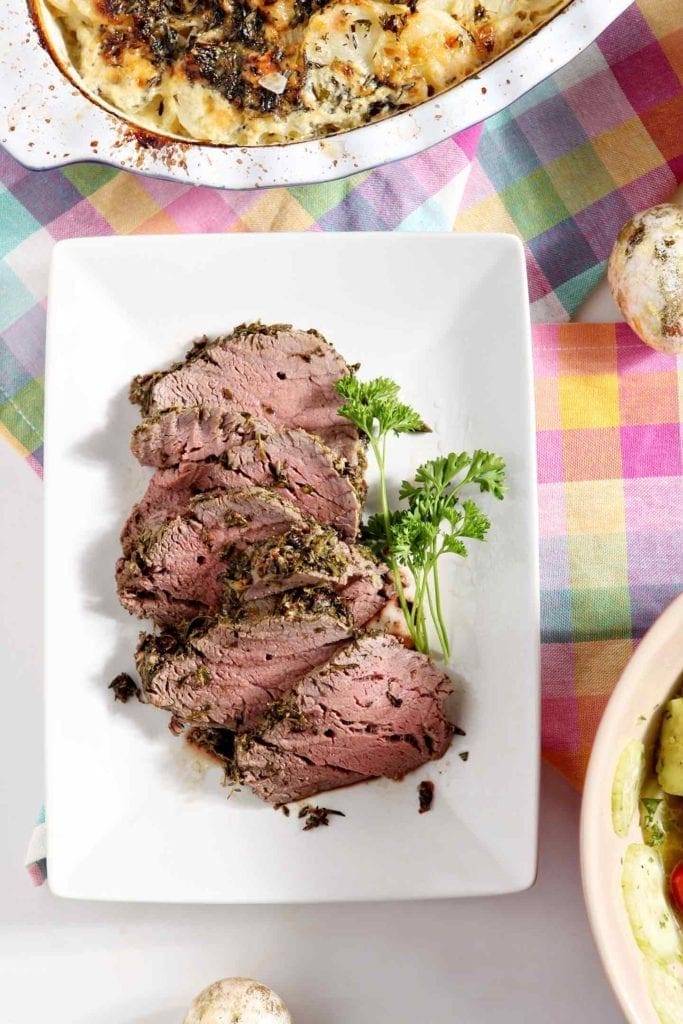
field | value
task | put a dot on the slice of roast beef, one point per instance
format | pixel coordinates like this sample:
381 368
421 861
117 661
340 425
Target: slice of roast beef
375 709
238 546
362 600
190 435
296 464
174 572
280 374
309 558
305 556
226 671
367 595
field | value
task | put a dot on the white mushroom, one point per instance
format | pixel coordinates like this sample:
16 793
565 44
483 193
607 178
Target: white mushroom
646 276
237 1001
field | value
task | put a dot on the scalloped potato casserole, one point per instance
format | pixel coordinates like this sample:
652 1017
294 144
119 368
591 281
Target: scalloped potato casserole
257 72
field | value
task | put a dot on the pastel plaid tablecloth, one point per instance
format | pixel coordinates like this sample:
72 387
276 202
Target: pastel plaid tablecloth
610 465
564 167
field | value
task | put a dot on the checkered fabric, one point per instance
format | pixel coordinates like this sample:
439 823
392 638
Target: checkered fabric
564 167
608 420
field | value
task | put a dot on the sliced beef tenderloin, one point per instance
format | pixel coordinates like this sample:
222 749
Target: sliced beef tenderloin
310 558
297 465
305 556
367 595
189 435
361 600
226 671
375 709
280 374
241 546
174 572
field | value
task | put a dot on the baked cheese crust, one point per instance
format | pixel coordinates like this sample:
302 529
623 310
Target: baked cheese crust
259 72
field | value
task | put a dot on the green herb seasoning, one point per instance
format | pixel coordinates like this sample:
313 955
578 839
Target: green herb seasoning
317 816
124 687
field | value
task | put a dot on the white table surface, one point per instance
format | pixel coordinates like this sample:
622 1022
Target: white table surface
525 959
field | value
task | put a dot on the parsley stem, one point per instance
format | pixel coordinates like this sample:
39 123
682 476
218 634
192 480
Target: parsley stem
435 620
443 633
421 621
379 454
434 599
380 457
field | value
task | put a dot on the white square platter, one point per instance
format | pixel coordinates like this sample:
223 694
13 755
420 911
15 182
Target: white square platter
132 814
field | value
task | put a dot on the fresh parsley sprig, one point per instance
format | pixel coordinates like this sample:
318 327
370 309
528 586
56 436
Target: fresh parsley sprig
374 407
436 519
481 469
437 522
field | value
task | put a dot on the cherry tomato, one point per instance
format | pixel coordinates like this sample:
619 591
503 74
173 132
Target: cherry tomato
676 887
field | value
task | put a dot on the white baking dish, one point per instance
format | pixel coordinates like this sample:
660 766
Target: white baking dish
46 121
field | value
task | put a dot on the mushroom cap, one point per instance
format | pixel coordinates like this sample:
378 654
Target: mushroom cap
645 274
237 1001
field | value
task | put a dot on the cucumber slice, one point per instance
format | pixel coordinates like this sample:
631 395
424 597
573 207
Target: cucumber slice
643 884
628 778
666 991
